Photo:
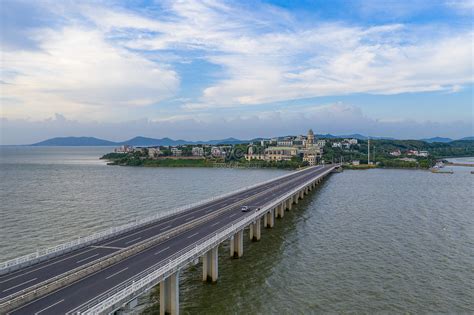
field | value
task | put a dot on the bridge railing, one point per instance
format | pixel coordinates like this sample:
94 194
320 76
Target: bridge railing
47 253
116 296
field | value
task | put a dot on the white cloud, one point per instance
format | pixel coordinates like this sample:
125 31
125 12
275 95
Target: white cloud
462 6
266 56
77 72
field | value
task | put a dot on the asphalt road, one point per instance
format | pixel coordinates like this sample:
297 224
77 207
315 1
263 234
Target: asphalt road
69 298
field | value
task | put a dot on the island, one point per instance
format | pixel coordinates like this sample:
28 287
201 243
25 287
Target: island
292 152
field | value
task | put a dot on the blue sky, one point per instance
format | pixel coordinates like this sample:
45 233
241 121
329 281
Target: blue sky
216 69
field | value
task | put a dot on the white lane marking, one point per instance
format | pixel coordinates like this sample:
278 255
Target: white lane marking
232 215
107 247
166 227
209 211
135 239
15 286
83 259
193 235
187 219
114 274
160 251
216 223
39 268
44 309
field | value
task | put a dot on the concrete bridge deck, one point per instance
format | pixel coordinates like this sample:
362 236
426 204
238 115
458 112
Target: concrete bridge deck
167 240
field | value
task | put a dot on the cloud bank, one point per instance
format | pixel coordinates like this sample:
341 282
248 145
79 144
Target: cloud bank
333 118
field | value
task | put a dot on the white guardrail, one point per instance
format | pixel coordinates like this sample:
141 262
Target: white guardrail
121 293
47 253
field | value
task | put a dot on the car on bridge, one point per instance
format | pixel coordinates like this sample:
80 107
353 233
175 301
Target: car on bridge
245 209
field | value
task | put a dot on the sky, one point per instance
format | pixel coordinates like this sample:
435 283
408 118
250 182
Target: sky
200 70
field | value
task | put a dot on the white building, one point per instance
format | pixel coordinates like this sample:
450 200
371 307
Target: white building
176 152
124 149
153 153
351 141
321 143
197 151
395 153
285 143
337 145
217 152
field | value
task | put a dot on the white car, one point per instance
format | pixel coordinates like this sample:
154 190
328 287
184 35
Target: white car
245 209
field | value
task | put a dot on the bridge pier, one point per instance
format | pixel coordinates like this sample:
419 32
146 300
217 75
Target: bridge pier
169 295
301 194
290 203
210 265
281 210
269 219
257 230
237 245
295 198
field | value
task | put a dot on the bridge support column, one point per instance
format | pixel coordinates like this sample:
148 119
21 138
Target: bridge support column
257 230
169 295
237 245
281 210
290 203
210 265
270 218
251 230
301 194
295 198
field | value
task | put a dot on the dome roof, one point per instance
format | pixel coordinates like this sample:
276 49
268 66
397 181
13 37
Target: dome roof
310 132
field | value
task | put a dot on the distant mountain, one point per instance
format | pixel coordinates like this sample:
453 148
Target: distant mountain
75 141
227 141
136 142
355 136
437 139
150 142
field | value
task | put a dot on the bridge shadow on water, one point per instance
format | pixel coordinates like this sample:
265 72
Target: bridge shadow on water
244 283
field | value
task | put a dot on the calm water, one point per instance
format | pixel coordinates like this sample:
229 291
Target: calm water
386 241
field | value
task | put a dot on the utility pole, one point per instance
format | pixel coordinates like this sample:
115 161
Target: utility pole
368 151
373 155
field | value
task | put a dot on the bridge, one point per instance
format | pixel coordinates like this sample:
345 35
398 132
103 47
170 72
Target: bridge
105 272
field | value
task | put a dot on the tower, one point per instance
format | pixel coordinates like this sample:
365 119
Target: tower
310 138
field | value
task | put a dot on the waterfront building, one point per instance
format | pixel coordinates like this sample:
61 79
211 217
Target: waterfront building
197 151
124 149
153 153
176 152
280 153
218 152
395 153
